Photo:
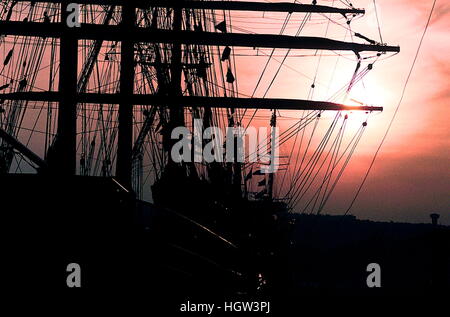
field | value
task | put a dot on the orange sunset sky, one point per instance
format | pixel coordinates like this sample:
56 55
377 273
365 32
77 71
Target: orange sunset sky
410 178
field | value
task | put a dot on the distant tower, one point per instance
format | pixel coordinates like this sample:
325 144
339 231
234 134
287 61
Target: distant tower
434 219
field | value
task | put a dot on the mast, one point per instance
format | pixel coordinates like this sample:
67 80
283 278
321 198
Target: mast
149 35
176 114
273 144
199 101
65 146
252 6
125 136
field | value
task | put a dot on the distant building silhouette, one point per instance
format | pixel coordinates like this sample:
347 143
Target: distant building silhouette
434 218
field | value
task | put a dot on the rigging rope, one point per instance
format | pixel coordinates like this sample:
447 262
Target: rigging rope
378 21
395 112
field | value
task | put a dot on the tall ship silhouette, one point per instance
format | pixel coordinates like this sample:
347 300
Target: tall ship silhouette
90 97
